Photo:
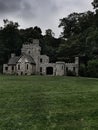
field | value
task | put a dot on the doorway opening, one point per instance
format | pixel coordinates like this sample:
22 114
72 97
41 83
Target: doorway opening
49 70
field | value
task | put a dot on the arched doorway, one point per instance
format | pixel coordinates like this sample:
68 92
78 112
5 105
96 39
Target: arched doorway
49 70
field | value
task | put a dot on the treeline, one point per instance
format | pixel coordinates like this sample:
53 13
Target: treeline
78 38
81 33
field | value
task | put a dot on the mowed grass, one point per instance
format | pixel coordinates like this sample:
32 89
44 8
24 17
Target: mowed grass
48 103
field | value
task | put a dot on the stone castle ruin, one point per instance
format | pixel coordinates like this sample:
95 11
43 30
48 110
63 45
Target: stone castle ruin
31 62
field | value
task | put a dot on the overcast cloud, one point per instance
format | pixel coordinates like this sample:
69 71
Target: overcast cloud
42 13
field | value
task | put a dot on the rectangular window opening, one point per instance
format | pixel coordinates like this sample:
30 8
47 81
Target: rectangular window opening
67 69
40 69
27 66
62 67
12 68
18 67
41 60
74 69
6 68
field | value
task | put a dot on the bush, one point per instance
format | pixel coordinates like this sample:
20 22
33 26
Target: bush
93 68
82 70
71 73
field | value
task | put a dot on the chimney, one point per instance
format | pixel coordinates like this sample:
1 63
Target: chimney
12 55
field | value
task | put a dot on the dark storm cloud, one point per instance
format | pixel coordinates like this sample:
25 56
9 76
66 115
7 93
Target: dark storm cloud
24 7
43 13
7 6
18 8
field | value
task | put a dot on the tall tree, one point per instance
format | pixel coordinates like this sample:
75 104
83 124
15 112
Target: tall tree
10 36
30 33
95 4
49 32
75 23
10 41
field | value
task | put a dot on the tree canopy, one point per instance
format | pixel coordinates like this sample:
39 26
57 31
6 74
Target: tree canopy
95 4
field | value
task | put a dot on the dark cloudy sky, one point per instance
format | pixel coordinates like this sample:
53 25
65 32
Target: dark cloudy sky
42 13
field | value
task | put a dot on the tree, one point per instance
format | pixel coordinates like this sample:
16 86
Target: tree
30 33
76 23
10 36
37 33
93 68
49 32
95 4
8 24
70 25
10 40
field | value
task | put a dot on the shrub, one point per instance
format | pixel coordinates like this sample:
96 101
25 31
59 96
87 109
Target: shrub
93 68
82 70
71 73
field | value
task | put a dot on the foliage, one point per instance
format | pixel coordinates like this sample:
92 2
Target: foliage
95 4
82 70
50 46
10 40
81 33
75 23
71 73
93 68
49 32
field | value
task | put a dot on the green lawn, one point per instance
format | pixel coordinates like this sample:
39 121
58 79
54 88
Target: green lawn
48 103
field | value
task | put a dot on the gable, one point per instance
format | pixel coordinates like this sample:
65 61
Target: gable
23 59
26 59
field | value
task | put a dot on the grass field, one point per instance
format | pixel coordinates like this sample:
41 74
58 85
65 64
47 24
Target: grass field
48 103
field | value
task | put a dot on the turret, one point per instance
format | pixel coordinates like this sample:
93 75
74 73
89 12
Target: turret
77 65
33 49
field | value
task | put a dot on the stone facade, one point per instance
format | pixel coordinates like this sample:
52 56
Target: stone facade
32 62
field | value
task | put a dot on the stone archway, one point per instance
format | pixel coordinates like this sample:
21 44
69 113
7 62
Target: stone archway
49 71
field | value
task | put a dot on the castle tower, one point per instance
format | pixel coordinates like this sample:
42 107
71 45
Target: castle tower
33 49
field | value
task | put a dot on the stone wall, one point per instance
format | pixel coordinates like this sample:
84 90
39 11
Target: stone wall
60 68
44 59
47 65
9 69
74 67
